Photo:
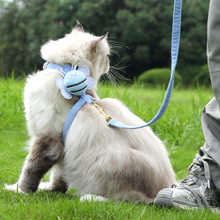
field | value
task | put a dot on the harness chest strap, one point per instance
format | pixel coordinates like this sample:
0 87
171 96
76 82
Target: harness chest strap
78 105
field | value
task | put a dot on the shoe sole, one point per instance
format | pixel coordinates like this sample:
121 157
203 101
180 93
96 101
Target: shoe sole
164 198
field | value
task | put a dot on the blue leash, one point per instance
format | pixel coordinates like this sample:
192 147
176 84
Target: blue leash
84 98
174 57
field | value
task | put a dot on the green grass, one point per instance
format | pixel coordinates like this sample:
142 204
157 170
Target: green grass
180 129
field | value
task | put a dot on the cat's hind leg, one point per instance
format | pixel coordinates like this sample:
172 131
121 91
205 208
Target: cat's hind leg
57 182
44 153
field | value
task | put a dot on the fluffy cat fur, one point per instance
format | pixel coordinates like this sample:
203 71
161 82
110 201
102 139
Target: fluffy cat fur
131 165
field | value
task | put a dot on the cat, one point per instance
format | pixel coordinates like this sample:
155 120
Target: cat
99 161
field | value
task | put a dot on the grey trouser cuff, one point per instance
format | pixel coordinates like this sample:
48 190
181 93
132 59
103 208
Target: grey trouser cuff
211 131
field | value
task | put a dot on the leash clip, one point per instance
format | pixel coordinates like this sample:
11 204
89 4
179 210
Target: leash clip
101 110
107 119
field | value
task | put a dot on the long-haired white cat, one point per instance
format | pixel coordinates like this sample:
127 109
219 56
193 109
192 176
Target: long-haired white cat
98 160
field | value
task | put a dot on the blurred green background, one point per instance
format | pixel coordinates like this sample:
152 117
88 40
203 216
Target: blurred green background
140 32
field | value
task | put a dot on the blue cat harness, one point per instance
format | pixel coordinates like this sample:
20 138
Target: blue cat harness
77 80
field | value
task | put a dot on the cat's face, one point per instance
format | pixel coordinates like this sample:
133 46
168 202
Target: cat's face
82 48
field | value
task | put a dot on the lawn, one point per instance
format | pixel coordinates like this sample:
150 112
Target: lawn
180 129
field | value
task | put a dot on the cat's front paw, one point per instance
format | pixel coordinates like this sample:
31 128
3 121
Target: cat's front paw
13 188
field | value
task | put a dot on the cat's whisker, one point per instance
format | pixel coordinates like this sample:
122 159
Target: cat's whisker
115 77
119 69
117 74
119 46
118 62
112 79
115 52
116 44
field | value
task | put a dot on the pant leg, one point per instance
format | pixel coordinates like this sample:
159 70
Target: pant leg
211 130
211 112
213 46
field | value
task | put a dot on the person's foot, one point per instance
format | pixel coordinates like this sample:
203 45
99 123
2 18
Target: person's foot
195 191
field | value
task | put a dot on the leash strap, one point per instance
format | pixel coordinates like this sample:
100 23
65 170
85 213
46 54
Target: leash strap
112 122
174 56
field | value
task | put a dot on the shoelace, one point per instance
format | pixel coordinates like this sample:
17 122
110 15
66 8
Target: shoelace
199 161
200 199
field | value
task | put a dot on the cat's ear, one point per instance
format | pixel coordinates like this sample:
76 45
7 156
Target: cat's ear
78 27
95 43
